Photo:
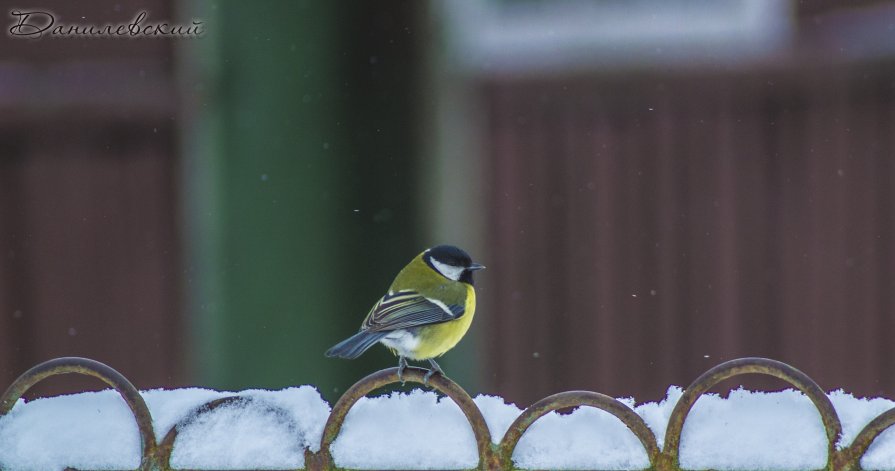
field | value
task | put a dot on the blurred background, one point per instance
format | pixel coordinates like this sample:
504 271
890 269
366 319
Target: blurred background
655 187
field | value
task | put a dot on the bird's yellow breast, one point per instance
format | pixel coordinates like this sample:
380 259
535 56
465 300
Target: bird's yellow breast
436 339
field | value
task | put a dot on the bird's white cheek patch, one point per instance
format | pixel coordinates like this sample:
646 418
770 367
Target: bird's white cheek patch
402 341
449 271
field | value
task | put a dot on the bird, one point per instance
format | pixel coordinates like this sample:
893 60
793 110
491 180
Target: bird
427 310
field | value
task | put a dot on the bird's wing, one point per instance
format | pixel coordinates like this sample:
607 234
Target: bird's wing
405 309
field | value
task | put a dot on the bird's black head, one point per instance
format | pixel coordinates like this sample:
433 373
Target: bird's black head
452 262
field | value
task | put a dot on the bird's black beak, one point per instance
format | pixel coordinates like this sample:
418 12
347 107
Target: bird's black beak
475 267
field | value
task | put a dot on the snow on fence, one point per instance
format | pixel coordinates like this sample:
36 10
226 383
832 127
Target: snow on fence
156 454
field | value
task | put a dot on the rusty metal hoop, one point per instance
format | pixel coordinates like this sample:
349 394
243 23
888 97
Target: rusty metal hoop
88 367
833 427
850 456
156 457
574 399
323 458
166 446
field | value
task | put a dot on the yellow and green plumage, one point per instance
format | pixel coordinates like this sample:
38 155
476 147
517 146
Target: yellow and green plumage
437 339
427 310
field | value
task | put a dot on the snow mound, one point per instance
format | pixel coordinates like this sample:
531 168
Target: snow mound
421 430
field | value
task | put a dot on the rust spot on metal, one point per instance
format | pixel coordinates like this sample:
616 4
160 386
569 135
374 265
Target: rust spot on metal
670 459
574 399
487 458
314 462
85 366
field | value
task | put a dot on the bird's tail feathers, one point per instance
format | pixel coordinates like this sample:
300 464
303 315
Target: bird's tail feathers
354 346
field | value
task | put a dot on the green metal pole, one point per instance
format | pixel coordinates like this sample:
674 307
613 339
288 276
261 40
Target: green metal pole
302 187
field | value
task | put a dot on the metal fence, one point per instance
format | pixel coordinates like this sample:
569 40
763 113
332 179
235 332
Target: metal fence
156 456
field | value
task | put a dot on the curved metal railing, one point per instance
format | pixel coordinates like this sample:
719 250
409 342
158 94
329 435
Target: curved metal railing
492 457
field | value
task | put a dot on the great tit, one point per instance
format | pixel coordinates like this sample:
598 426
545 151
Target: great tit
427 310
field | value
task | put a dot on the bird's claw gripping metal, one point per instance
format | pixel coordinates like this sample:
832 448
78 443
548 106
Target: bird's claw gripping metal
432 371
402 363
426 378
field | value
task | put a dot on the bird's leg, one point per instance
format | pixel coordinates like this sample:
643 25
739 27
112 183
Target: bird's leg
402 363
435 369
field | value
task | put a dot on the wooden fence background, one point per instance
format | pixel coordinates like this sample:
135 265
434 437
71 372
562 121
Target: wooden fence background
89 221
643 229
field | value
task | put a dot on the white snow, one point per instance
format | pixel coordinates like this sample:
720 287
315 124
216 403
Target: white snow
88 430
95 430
405 431
588 438
276 426
754 430
419 430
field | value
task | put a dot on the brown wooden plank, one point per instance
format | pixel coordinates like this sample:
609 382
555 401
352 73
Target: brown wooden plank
757 207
